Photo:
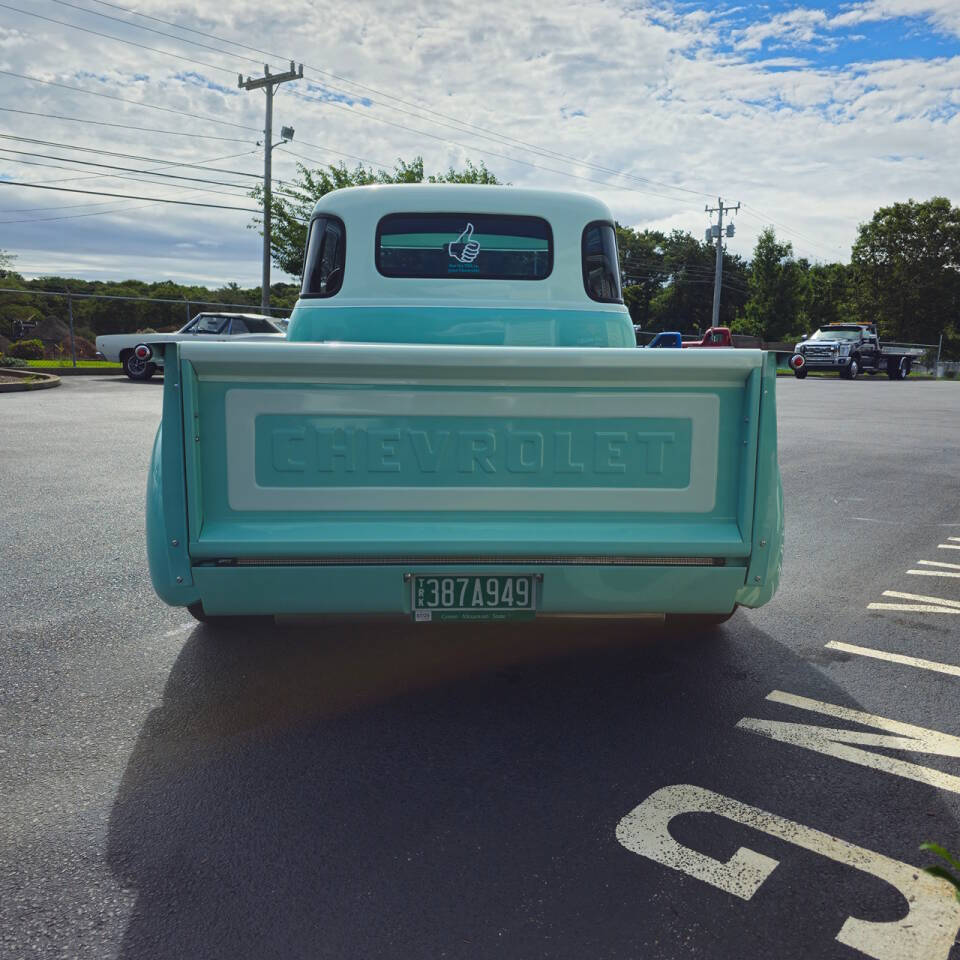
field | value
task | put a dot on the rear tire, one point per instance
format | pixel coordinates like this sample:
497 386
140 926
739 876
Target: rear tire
697 622
800 374
137 369
898 369
223 622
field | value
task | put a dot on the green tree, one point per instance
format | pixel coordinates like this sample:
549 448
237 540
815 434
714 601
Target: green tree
827 295
642 270
6 262
907 267
683 299
291 210
775 282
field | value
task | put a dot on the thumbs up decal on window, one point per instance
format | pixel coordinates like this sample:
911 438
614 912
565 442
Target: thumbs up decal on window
464 248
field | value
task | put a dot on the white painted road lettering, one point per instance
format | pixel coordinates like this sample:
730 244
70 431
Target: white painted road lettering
927 931
836 742
947 668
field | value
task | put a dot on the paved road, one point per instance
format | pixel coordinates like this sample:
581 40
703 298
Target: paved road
360 790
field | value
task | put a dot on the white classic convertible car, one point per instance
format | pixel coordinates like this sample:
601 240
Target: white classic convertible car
142 353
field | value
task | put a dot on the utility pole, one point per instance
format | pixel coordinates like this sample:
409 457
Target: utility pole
268 81
717 231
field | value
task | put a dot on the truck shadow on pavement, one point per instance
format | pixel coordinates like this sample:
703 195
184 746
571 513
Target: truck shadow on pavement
367 790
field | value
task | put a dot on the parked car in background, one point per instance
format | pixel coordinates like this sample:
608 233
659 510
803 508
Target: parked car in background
142 353
714 337
670 339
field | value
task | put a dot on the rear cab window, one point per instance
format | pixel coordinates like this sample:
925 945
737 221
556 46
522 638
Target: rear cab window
601 269
325 257
467 246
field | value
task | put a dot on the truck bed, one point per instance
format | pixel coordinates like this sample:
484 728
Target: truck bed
316 474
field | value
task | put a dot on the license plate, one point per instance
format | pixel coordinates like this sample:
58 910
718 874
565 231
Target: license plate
472 597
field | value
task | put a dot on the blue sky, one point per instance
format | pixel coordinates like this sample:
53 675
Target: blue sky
811 114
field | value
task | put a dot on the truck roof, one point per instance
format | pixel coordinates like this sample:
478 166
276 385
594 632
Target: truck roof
383 199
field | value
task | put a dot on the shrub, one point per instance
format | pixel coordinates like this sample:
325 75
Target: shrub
13 363
27 349
61 351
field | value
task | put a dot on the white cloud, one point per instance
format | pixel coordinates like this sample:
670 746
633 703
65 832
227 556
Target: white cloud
651 89
793 27
944 15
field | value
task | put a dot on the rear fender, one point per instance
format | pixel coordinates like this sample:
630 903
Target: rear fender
166 511
766 555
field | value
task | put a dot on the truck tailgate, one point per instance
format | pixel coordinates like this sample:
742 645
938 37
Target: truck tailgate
363 453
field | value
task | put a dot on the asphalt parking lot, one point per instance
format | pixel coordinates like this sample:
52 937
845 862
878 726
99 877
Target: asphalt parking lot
360 789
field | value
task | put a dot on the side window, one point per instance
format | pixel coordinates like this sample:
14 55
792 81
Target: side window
601 271
238 325
324 260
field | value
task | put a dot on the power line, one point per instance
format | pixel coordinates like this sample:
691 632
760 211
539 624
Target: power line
110 203
498 138
110 166
461 125
126 196
161 33
126 156
317 146
432 136
80 216
125 126
136 103
491 153
107 36
120 176
166 165
761 217
107 296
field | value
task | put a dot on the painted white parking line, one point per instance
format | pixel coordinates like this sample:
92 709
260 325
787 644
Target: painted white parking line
955 539
919 598
949 546
910 608
942 564
947 668
926 932
935 573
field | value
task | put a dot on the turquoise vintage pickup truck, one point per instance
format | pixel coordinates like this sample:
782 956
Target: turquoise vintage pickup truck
460 426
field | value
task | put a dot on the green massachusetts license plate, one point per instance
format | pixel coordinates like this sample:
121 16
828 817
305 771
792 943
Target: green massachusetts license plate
472 597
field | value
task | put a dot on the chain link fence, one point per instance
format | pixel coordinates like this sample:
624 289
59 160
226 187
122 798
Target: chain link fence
23 329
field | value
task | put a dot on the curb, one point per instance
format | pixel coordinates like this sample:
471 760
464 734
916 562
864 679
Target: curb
79 371
45 382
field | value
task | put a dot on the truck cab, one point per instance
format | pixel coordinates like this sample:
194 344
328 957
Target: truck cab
454 264
714 337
